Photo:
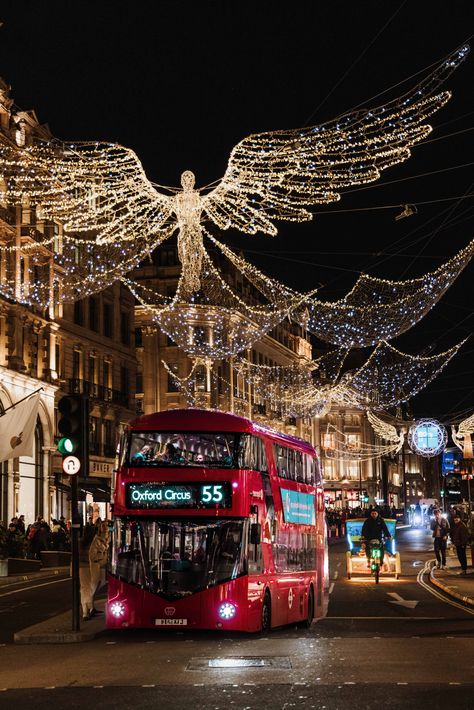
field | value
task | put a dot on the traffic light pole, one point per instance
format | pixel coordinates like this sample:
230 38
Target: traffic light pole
75 530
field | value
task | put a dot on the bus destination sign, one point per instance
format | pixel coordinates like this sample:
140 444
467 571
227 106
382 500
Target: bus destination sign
177 495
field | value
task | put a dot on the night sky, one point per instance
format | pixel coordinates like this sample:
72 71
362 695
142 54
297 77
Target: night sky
182 82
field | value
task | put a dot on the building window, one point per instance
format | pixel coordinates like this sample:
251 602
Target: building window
124 380
353 470
79 312
353 442
109 439
200 378
93 435
93 314
138 337
57 358
328 441
108 320
172 383
76 365
107 374
125 327
92 368
139 383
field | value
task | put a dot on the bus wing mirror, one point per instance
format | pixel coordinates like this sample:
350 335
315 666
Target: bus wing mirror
255 534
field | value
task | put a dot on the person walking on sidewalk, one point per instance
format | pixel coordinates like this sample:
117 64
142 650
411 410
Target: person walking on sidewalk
98 553
85 570
459 537
440 528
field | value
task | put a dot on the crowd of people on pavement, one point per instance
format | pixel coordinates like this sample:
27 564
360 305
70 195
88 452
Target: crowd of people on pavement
29 542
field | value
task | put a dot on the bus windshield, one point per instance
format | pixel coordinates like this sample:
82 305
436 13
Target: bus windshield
174 559
155 448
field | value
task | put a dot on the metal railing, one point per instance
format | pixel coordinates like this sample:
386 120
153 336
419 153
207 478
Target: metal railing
100 392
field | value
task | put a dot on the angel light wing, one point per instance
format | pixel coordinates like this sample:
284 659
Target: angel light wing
277 175
465 429
384 429
97 190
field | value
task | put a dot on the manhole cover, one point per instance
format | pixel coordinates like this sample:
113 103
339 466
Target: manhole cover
267 662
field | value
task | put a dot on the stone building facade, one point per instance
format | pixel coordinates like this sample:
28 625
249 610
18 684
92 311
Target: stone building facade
85 347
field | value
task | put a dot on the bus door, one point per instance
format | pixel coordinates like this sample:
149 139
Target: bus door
255 563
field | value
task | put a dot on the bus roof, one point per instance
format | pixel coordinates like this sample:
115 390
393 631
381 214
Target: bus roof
194 419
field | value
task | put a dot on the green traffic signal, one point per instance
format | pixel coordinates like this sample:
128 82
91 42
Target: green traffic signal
66 446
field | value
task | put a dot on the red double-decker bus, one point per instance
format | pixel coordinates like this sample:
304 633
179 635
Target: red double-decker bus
218 524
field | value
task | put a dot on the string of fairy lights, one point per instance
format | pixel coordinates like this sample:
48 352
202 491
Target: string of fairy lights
99 191
89 217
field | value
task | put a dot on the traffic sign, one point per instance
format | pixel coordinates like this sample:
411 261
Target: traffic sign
71 465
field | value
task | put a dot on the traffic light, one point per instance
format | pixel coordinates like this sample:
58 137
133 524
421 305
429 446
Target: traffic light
365 497
73 424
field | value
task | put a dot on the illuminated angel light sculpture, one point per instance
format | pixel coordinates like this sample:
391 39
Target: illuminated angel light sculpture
300 390
390 376
462 436
374 310
101 189
215 322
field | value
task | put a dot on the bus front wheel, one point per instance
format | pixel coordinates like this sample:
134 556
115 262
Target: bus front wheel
310 616
266 612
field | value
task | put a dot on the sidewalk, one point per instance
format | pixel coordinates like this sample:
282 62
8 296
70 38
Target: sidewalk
58 629
31 576
450 581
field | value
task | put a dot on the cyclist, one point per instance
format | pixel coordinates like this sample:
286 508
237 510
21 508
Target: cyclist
374 528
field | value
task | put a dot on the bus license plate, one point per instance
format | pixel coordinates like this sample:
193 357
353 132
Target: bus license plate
171 622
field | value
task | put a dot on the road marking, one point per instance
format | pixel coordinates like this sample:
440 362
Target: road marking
392 618
331 588
335 575
436 593
397 599
35 586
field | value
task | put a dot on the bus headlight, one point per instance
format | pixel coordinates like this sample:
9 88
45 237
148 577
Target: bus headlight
227 611
117 609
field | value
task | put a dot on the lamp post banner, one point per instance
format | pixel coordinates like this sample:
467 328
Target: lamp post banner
17 429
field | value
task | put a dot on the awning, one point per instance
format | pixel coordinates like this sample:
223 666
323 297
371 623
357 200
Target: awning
98 488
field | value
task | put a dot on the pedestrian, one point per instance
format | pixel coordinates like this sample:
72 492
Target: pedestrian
15 541
21 524
98 554
460 536
440 529
85 570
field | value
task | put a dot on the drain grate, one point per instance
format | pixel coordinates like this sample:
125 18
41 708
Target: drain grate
266 662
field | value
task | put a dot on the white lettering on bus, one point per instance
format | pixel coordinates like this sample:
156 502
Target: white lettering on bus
148 496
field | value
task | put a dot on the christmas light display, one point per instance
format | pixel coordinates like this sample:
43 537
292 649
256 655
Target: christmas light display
298 390
386 431
375 309
462 436
390 376
427 438
99 191
344 448
215 322
378 309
